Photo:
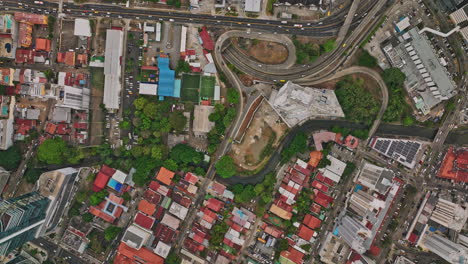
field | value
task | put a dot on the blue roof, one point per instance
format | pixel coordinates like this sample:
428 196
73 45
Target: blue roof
166 78
177 87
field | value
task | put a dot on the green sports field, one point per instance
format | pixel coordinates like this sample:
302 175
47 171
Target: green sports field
207 86
190 87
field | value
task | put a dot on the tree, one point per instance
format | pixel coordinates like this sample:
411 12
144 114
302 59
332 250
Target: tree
178 121
184 154
394 78
232 96
225 167
283 245
329 45
126 196
10 158
111 232
367 60
408 120
87 217
357 103
247 194
82 196
32 175
298 145
173 258
170 165
125 125
182 66
53 151
140 103
157 152
49 74
97 197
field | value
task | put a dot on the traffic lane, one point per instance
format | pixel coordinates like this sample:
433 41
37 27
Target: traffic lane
120 11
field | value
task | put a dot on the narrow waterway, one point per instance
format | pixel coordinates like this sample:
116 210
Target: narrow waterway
423 133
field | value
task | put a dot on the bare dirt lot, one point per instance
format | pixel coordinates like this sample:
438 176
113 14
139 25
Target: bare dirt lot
261 138
67 38
263 51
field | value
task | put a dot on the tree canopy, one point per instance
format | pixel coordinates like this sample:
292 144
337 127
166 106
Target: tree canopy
10 158
177 121
55 151
225 167
185 154
232 96
367 60
357 103
32 175
297 145
397 107
98 197
111 232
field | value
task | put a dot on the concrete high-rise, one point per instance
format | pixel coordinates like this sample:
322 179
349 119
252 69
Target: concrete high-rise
21 219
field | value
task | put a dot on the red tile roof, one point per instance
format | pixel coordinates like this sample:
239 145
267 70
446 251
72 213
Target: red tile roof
322 199
126 254
206 38
305 233
31 18
144 221
24 56
273 231
100 182
165 176
320 186
164 233
191 178
70 58
293 255
455 165
154 185
214 204
312 221
218 188
208 215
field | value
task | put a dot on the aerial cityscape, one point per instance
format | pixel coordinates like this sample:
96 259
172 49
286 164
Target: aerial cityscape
233 131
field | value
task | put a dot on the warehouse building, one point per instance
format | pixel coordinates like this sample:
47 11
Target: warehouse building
112 69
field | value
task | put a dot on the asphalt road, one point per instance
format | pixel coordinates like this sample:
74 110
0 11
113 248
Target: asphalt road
56 251
324 28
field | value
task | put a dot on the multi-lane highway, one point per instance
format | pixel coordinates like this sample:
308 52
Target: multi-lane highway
325 65
325 28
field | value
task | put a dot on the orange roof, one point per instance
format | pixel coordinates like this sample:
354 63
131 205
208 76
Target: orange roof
165 176
315 157
146 207
127 255
280 212
43 44
70 58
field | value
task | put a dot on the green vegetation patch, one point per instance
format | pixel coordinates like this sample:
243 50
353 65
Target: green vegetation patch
309 52
367 60
398 109
357 103
97 77
10 158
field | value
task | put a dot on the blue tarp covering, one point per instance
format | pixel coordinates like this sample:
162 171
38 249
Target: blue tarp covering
115 185
166 78
357 188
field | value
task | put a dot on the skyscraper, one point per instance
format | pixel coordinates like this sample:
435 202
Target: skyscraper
446 249
20 220
37 213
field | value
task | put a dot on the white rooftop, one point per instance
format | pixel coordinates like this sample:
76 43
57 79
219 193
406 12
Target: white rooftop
82 28
112 68
148 88
296 104
252 5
